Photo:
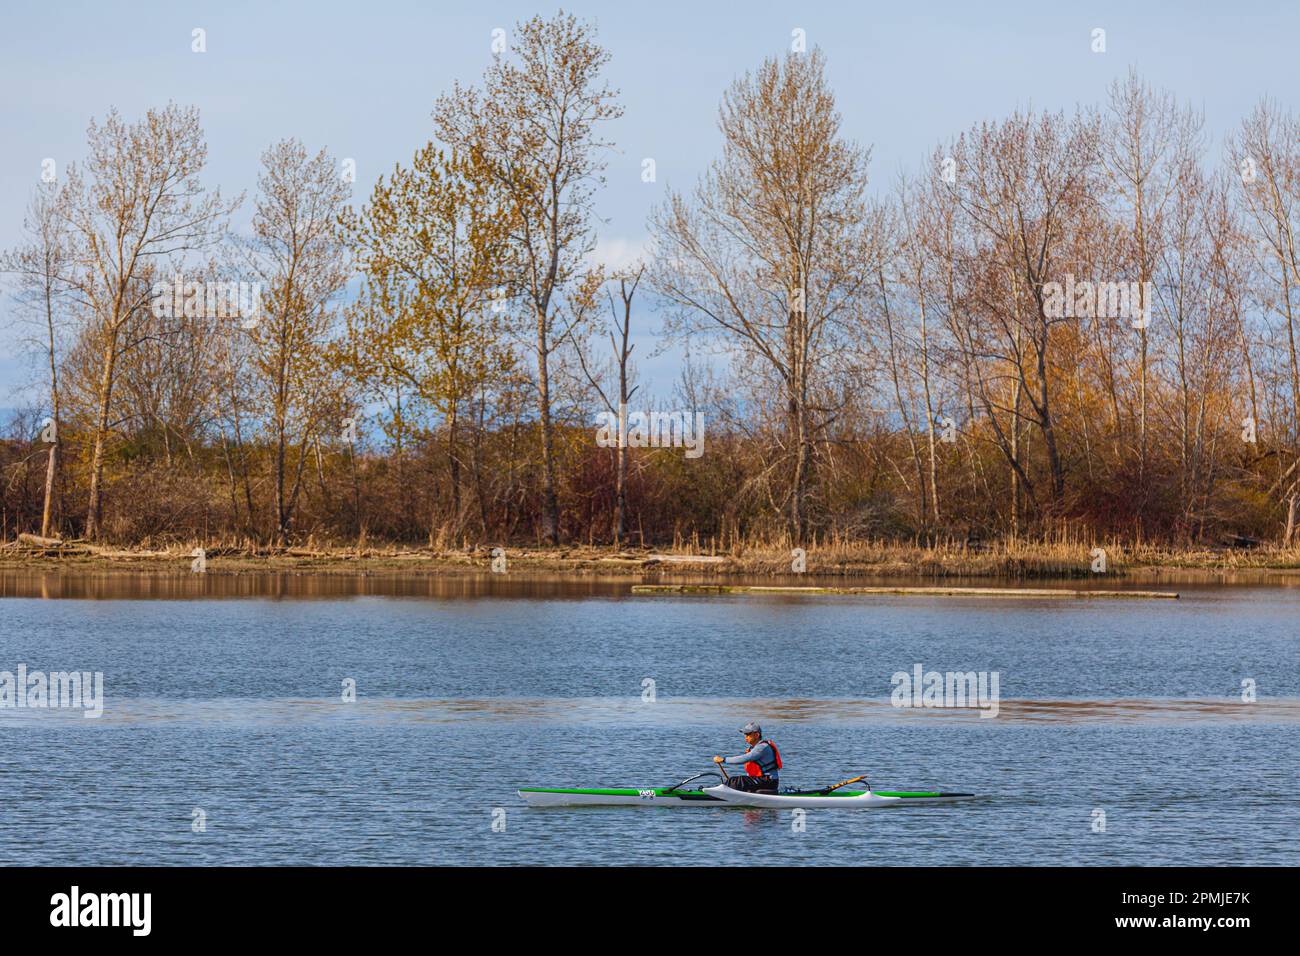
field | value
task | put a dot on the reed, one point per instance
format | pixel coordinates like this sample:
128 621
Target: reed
1052 556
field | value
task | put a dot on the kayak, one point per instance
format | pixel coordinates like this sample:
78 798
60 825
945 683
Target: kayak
722 796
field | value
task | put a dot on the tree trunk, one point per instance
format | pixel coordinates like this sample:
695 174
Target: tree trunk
51 470
798 518
929 414
478 467
550 505
281 518
620 497
453 465
103 398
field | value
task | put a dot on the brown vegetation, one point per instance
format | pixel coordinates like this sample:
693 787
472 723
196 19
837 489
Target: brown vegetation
1070 330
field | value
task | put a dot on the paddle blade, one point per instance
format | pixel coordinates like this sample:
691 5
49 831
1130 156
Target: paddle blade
845 783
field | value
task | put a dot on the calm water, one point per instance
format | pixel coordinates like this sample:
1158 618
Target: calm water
225 695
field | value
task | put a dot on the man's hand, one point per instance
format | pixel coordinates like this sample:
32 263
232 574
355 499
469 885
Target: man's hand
717 760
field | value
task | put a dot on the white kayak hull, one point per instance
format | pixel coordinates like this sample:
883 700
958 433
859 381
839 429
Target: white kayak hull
864 800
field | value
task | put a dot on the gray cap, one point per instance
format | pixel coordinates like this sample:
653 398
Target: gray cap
751 728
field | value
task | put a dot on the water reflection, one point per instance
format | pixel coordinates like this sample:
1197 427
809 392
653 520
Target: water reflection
121 585
444 584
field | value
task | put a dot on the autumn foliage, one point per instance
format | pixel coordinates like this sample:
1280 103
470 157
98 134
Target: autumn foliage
1076 323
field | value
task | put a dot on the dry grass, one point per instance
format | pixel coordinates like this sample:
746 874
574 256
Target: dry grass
1009 559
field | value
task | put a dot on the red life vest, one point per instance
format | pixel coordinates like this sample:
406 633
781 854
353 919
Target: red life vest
754 770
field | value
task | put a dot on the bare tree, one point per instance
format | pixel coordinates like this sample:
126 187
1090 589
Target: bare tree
303 266
1025 187
1266 153
1148 149
40 266
772 253
537 119
621 348
137 202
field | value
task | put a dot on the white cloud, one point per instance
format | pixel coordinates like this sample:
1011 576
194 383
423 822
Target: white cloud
619 253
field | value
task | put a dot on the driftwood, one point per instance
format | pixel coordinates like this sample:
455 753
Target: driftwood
933 591
684 559
33 545
38 541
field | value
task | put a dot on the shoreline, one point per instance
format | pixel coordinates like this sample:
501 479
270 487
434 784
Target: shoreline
585 563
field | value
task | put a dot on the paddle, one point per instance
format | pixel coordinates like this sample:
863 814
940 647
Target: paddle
694 776
704 773
844 783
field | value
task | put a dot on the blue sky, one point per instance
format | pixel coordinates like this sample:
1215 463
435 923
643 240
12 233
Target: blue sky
360 79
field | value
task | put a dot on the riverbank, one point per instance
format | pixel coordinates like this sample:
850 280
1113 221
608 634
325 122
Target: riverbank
1003 561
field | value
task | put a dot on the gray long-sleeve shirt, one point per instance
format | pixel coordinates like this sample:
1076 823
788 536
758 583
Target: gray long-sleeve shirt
761 753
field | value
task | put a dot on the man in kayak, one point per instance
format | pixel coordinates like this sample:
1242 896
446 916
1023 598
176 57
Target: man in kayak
762 762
